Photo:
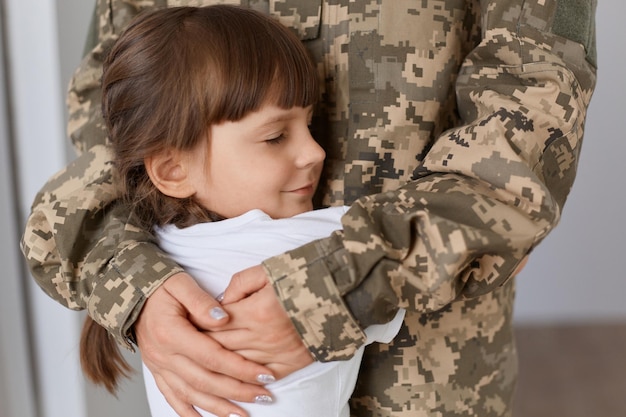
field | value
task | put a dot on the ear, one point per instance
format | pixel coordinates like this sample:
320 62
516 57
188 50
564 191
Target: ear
169 172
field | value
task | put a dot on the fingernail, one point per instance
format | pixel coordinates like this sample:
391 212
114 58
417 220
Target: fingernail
220 297
234 415
217 313
263 399
265 378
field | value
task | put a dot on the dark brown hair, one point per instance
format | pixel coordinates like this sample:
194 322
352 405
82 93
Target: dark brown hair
171 75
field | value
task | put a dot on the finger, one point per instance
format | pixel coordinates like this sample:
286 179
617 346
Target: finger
198 385
244 283
176 347
165 337
204 311
260 330
188 384
182 402
181 406
259 311
233 376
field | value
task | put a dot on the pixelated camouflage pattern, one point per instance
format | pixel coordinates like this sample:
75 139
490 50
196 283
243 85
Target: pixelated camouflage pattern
452 127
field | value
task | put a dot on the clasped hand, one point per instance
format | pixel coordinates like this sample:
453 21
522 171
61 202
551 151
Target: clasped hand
245 342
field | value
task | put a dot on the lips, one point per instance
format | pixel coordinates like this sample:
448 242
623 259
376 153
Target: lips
306 190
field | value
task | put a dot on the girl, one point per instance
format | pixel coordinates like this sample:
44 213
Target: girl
208 111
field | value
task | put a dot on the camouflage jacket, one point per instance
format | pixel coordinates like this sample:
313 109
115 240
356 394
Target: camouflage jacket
452 128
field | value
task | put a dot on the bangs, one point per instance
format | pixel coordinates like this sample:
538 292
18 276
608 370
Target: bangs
177 71
295 81
254 60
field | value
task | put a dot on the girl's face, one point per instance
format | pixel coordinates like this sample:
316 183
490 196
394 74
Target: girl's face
268 160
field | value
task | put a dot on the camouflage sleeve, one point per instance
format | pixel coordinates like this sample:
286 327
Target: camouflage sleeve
80 244
85 125
485 194
84 250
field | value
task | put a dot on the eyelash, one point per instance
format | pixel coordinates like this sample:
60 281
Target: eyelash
276 140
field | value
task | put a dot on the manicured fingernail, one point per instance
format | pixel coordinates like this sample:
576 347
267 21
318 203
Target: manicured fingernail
263 399
234 415
220 298
217 313
265 378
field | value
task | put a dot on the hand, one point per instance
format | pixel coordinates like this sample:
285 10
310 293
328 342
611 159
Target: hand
190 367
259 328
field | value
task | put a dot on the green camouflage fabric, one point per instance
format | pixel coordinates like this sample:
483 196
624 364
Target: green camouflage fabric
452 128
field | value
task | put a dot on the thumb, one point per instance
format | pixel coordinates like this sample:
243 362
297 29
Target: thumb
244 283
205 312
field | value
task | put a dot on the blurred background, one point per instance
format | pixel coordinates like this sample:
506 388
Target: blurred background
570 312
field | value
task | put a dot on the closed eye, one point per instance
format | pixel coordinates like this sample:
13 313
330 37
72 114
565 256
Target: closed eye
276 140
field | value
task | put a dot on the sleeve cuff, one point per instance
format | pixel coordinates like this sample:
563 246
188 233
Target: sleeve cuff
305 281
128 280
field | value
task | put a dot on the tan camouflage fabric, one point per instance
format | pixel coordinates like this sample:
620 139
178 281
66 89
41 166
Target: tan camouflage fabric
452 128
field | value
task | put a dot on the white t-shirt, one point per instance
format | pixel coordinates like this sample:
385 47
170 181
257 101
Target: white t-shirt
213 252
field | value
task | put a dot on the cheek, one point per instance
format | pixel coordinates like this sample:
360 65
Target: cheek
273 171
251 178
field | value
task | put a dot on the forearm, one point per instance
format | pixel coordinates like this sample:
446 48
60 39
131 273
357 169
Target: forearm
484 195
84 191
120 290
80 242
84 249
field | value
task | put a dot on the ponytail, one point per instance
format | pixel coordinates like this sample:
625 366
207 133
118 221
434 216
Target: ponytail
100 357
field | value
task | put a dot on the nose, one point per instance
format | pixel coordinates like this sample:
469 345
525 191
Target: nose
310 152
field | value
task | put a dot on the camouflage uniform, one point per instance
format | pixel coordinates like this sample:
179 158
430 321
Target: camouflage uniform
452 128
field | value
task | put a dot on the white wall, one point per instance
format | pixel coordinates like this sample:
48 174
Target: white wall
575 275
